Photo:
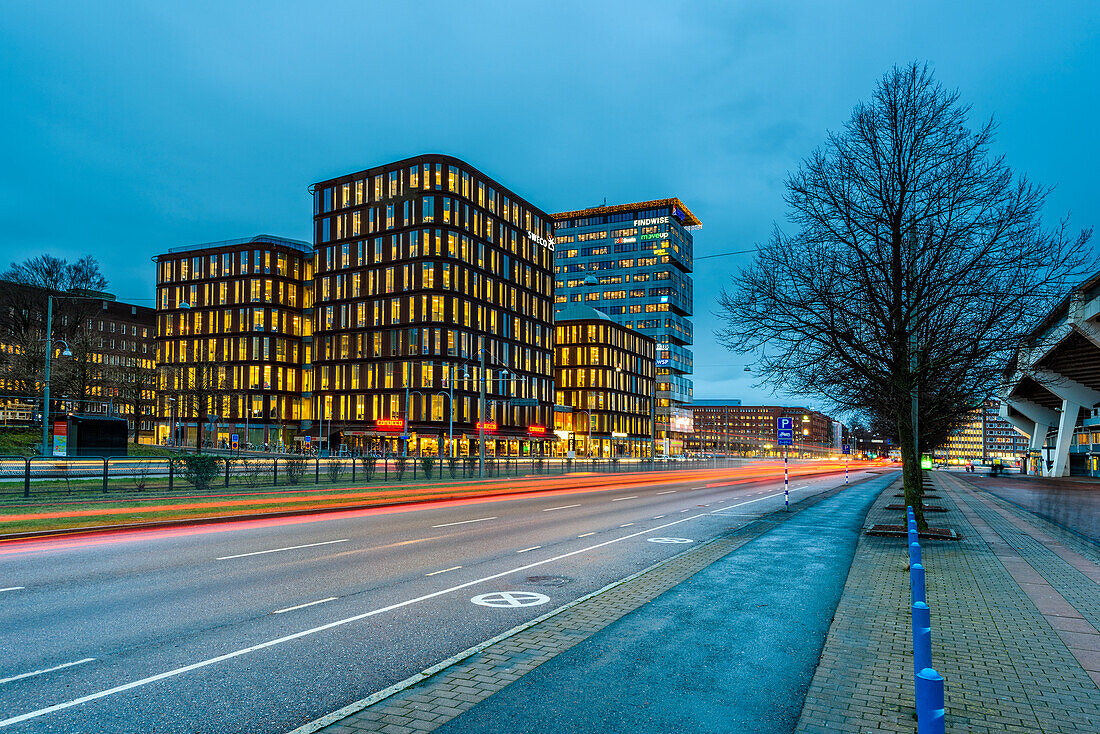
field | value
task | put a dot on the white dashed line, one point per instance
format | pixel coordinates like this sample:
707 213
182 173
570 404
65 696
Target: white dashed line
626 524
620 499
278 550
462 522
563 507
307 604
668 491
13 588
658 517
534 547
585 535
320 628
44 670
452 568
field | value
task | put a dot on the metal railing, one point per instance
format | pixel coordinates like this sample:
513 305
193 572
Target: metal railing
39 477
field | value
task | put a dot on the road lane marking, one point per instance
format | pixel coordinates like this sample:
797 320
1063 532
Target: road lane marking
585 535
321 628
620 499
534 547
687 510
462 522
435 573
13 588
277 550
658 517
307 604
563 507
626 525
668 491
510 599
44 670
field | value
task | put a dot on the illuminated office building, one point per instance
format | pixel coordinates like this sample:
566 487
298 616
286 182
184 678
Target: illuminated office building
233 330
639 258
424 266
605 373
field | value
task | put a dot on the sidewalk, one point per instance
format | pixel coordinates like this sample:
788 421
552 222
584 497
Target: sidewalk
722 638
1072 502
1015 611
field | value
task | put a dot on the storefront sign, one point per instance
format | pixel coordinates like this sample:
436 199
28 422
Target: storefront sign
389 424
537 429
621 240
647 222
616 434
487 426
656 236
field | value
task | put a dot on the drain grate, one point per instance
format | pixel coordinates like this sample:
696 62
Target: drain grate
548 580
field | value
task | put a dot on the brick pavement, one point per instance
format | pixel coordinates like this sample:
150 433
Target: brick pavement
451 688
1012 606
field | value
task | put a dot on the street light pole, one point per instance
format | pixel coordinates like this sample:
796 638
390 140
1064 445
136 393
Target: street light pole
481 412
46 394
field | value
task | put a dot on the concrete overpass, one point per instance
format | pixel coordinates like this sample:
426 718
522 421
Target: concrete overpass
1057 382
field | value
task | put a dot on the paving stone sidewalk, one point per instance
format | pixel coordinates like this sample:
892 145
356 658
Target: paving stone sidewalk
455 688
1012 608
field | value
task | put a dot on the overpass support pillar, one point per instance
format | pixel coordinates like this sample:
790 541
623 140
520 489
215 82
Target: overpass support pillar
1066 423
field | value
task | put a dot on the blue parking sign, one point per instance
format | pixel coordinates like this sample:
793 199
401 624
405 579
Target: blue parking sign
847 449
784 431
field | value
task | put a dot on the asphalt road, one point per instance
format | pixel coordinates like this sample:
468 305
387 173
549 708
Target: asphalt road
261 626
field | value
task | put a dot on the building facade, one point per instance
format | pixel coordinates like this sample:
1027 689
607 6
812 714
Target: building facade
102 362
234 326
633 262
606 373
727 427
984 437
427 269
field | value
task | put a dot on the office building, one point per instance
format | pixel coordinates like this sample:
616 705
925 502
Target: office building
426 268
633 262
605 372
233 330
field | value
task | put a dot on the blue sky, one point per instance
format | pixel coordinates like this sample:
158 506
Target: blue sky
133 127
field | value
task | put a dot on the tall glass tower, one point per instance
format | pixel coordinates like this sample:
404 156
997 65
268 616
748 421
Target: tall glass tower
633 262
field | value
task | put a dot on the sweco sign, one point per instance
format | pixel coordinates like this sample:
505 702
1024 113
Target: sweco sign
547 242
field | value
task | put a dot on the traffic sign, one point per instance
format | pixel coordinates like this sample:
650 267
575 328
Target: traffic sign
847 449
236 441
785 431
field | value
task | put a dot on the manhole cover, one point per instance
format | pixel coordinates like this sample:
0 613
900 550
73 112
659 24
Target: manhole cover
548 580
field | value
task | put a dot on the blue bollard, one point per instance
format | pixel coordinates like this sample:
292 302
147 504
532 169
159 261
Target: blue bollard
922 637
916 583
914 535
914 554
930 708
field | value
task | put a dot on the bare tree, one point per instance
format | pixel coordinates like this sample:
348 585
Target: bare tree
23 307
133 388
919 262
197 389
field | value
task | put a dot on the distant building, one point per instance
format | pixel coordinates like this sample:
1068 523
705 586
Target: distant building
727 427
984 437
109 368
638 260
605 373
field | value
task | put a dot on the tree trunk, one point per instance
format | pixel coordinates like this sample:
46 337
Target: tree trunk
912 480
